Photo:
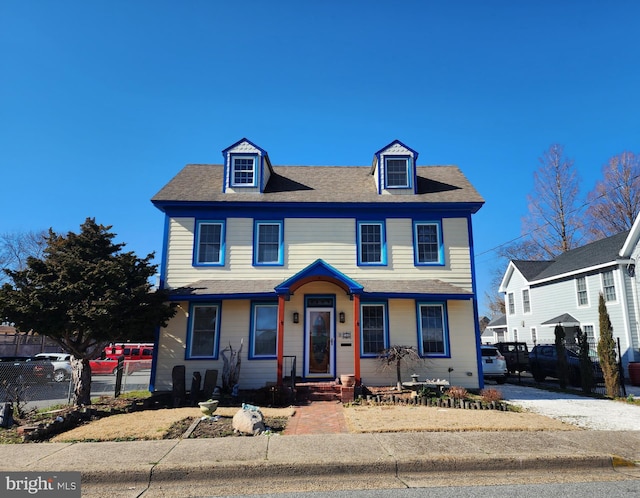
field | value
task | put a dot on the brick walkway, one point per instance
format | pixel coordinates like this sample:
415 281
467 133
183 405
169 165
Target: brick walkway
317 417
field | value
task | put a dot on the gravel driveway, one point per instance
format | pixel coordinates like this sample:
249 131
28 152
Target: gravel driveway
588 413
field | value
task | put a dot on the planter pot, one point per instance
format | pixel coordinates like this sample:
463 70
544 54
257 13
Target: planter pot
348 380
634 373
208 407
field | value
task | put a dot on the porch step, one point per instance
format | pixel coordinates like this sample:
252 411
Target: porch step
318 391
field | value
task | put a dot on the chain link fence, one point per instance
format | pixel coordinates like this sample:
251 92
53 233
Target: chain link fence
29 385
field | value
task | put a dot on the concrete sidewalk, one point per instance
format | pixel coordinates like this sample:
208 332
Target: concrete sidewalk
227 466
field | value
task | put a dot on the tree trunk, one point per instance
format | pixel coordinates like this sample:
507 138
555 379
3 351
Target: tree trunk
81 377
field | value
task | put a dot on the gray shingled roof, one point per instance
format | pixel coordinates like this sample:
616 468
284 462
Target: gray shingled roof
500 321
530 269
594 254
203 183
228 287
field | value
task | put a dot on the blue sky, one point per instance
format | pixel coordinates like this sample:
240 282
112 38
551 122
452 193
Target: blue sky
102 102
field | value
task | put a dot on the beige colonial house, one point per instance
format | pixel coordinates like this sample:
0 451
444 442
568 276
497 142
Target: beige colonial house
316 270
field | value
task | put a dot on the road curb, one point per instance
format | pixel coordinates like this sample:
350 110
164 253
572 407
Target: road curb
390 468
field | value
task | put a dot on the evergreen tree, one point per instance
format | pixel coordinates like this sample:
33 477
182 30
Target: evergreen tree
586 367
562 355
607 351
85 293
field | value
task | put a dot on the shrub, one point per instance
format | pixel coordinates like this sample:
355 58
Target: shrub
457 392
490 394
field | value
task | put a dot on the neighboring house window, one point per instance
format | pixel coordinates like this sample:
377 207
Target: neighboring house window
432 332
210 243
243 171
396 172
608 286
500 336
526 304
581 286
515 335
371 243
427 243
512 304
268 243
264 330
591 337
373 329
203 331
534 335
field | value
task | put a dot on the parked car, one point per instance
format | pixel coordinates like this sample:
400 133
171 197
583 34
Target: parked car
25 370
516 354
543 363
494 365
61 364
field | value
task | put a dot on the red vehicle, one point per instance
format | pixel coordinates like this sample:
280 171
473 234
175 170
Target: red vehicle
110 365
141 353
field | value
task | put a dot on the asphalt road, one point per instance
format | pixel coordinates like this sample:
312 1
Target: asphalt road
613 489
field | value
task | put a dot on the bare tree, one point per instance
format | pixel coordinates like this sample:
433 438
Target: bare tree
16 247
614 203
553 223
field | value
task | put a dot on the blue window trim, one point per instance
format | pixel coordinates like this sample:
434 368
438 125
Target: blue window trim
256 225
252 323
238 155
196 243
445 326
438 224
383 242
385 305
409 169
216 340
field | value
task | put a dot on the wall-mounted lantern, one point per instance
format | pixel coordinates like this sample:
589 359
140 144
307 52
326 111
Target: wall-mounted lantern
296 317
342 317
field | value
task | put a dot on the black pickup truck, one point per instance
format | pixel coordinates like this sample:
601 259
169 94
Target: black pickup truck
516 354
24 370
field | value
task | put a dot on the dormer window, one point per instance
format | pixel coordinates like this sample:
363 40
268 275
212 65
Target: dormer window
394 169
396 172
243 171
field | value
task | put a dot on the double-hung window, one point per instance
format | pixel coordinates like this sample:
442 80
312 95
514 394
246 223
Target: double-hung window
608 286
264 330
204 327
209 249
268 243
373 329
581 289
396 171
526 302
371 243
432 330
511 303
427 243
243 171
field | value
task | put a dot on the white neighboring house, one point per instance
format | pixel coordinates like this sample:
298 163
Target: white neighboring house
495 331
542 294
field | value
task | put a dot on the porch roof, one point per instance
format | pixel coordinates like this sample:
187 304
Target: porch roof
566 320
256 289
